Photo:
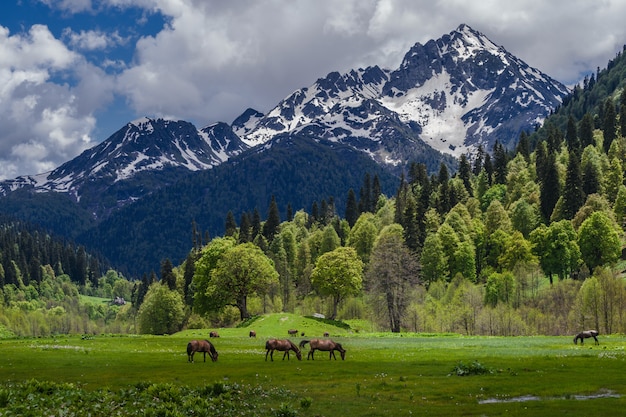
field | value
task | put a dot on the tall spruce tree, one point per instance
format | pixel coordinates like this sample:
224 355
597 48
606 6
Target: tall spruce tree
352 210
464 173
571 135
608 130
230 226
550 189
573 195
271 225
586 131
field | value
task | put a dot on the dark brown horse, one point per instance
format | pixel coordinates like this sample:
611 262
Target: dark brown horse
326 345
214 334
284 345
586 335
252 333
203 346
292 332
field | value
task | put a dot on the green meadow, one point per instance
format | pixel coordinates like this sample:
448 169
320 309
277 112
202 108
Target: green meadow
383 374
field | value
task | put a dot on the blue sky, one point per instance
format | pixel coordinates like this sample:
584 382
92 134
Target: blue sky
72 72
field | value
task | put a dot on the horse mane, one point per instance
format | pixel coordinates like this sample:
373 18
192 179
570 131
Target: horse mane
293 345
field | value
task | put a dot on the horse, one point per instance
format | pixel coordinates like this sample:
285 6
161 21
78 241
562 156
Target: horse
325 345
214 334
292 332
203 346
586 335
284 345
252 333
326 334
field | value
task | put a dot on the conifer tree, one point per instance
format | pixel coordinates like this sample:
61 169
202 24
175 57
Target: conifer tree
586 131
523 146
488 166
499 163
256 224
167 274
271 225
550 188
571 135
622 113
573 195
478 162
352 211
244 228
464 173
365 195
230 226
443 195
609 124
376 192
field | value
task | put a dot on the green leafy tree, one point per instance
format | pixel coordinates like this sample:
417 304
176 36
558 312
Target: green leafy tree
162 311
338 274
433 260
500 287
330 239
363 235
599 241
204 267
557 248
240 272
391 274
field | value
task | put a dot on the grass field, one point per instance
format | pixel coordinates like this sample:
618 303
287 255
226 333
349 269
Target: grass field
383 374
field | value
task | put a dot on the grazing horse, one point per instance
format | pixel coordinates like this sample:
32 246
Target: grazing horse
586 335
325 345
252 333
284 345
292 332
203 346
214 334
326 334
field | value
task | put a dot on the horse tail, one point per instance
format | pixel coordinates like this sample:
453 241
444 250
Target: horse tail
303 343
189 348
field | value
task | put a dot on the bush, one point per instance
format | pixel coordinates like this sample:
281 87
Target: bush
474 368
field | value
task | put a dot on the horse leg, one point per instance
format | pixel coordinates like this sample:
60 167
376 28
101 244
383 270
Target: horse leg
266 352
596 339
190 357
332 355
286 354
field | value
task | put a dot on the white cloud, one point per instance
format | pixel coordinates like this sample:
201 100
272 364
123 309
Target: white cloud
90 40
44 120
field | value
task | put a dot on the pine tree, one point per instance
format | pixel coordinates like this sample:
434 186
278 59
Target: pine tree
444 190
167 274
499 163
571 135
271 225
609 124
256 225
464 173
586 131
376 192
244 228
352 211
523 146
365 195
230 226
488 167
573 195
622 113
550 188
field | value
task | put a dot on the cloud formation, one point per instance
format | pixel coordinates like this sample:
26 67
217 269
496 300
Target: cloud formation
209 60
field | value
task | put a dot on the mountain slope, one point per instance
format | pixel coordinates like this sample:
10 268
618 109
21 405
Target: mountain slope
296 170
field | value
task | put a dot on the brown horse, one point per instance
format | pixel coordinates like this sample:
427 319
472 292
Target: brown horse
214 334
203 346
284 345
292 332
252 333
324 345
586 335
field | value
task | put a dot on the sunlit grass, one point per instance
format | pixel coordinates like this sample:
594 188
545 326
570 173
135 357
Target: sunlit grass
382 374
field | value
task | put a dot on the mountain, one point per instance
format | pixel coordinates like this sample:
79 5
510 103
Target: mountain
151 179
450 95
141 157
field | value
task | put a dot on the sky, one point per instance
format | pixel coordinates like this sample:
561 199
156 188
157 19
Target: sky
73 72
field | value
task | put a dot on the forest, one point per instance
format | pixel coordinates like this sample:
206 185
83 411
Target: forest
516 242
